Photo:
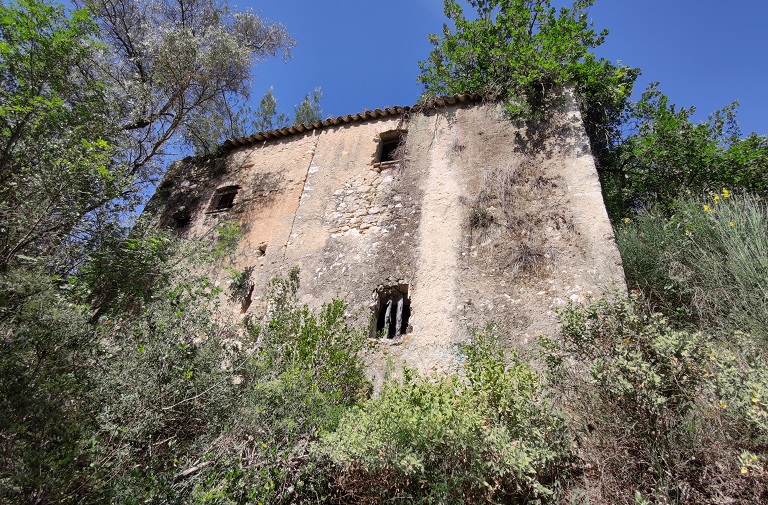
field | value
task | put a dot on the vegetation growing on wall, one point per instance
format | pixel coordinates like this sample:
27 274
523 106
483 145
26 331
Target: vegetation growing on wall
528 53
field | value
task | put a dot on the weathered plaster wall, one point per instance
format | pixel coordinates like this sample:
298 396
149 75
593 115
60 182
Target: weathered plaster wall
480 224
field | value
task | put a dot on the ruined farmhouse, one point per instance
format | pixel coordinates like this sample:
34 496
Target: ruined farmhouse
428 220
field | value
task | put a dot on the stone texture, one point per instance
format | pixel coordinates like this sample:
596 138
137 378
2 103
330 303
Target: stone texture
415 224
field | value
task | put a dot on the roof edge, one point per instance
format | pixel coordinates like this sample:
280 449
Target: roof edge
433 103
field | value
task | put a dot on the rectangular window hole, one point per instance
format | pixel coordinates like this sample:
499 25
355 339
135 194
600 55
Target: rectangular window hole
224 198
391 146
391 311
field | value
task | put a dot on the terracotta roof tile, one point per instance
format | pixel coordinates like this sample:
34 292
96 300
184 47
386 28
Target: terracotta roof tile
434 103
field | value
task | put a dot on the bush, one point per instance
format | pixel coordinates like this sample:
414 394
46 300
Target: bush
707 263
662 412
486 439
45 376
201 411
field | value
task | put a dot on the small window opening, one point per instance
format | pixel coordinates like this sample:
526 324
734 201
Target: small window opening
224 198
391 311
181 217
390 147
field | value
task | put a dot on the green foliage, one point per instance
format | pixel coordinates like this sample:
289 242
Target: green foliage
665 153
55 137
165 401
164 394
490 438
228 235
309 111
266 117
45 415
303 372
707 263
528 53
122 275
240 284
662 410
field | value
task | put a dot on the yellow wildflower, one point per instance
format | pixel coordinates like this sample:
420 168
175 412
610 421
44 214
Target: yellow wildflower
706 208
717 198
726 193
626 219
731 224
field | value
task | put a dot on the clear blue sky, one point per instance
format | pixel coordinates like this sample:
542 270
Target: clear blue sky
364 53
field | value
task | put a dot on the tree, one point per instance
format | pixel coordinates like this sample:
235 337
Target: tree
663 153
309 111
57 135
266 117
526 52
170 66
90 108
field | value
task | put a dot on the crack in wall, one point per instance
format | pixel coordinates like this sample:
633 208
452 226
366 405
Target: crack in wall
301 195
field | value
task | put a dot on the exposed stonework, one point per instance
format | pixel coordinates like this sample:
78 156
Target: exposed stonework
474 223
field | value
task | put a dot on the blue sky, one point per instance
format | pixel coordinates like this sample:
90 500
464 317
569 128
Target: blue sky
364 53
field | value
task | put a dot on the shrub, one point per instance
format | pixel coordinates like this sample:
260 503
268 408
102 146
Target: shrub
663 412
299 371
707 263
171 403
486 439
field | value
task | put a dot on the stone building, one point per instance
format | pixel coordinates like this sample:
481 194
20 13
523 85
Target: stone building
429 220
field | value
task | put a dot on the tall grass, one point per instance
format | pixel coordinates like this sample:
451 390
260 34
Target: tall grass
707 264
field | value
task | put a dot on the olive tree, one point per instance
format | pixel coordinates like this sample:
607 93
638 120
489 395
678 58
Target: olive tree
171 65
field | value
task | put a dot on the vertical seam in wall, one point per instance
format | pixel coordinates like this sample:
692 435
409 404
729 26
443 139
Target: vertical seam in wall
303 187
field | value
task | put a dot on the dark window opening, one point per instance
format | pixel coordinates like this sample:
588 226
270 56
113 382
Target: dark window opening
391 311
181 218
390 147
224 198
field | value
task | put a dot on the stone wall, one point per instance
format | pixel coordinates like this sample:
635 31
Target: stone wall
475 223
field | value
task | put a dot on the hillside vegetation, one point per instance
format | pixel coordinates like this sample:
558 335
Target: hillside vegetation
119 382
